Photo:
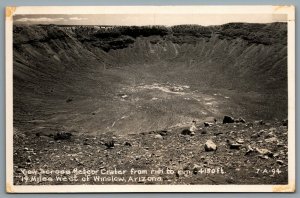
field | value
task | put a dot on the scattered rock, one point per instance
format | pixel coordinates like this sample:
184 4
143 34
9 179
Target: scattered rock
218 133
46 137
273 129
280 144
158 136
228 119
28 159
122 95
250 125
276 155
240 141
233 145
256 135
279 162
261 132
263 156
137 157
127 144
229 142
210 146
270 135
203 131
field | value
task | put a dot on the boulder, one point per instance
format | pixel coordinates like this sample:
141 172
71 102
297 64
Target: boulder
264 152
70 99
218 133
241 120
127 144
228 119
284 122
124 96
280 162
163 133
255 135
110 144
193 128
240 141
263 156
270 135
28 159
207 124
62 136
249 150
272 139
210 146
187 132
235 146
158 136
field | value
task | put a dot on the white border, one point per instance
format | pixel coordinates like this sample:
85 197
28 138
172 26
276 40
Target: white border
289 10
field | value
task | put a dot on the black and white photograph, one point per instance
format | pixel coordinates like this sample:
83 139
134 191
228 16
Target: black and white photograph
150 99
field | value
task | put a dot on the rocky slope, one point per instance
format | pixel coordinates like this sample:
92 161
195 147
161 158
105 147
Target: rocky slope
244 62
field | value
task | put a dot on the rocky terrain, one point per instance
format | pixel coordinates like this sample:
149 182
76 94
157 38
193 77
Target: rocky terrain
105 97
231 153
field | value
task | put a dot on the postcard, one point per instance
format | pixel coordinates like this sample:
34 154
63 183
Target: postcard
150 99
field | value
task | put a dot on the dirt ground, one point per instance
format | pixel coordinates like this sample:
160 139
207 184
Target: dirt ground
246 153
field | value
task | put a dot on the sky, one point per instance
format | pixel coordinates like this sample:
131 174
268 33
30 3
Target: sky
147 19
